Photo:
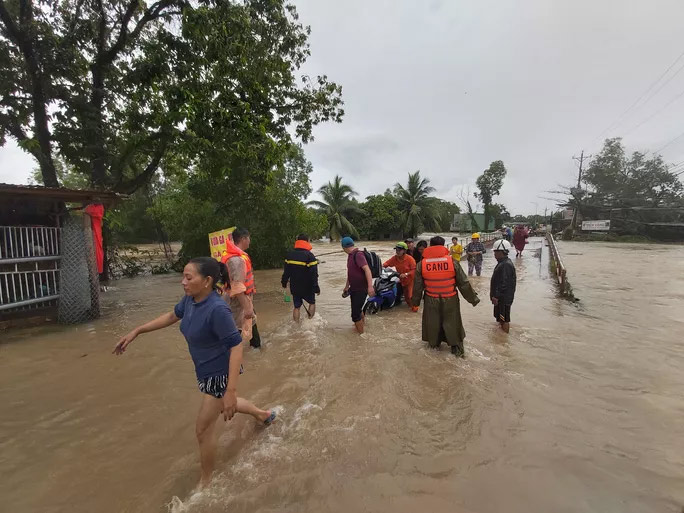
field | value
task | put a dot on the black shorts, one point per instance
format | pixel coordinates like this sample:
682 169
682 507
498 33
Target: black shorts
357 301
215 385
297 300
502 312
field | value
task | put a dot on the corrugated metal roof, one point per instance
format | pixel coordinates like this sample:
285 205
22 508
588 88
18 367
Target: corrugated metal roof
58 193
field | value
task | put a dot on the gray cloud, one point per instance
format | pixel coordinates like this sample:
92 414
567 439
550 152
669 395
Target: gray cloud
457 84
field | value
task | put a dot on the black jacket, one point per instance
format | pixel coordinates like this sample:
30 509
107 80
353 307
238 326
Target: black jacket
503 281
301 270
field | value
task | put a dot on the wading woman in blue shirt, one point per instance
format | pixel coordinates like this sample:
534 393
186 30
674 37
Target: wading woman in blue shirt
215 346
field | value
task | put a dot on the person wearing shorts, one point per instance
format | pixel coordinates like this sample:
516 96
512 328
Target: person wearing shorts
359 282
502 313
301 271
502 284
215 345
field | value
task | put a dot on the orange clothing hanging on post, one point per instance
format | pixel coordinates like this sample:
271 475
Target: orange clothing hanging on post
96 213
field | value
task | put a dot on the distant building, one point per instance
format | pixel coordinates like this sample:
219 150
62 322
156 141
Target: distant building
463 223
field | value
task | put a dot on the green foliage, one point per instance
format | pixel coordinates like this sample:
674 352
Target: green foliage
489 183
129 85
131 222
380 216
337 206
445 213
192 207
499 213
67 176
418 210
310 222
617 180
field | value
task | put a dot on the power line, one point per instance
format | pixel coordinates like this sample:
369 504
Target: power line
677 169
636 102
668 143
679 70
655 113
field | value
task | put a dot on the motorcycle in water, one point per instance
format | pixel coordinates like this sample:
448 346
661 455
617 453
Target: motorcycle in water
385 292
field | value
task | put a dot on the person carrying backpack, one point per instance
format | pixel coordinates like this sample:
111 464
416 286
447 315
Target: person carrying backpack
301 270
359 281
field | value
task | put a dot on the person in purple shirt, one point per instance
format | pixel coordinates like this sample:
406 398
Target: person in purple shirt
215 346
359 281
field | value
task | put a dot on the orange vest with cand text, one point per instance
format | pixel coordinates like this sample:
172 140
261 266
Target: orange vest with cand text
439 274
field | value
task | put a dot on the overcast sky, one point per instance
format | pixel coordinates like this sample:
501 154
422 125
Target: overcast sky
449 86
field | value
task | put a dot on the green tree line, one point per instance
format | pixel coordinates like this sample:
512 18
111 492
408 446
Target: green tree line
615 179
406 210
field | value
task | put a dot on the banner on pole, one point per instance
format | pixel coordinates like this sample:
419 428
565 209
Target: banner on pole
218 240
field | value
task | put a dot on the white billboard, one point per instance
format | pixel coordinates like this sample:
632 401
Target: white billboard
596 226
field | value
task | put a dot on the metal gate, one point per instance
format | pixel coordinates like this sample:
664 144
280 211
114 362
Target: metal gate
29 267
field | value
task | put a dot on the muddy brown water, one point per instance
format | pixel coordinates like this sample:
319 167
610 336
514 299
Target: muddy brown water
580 409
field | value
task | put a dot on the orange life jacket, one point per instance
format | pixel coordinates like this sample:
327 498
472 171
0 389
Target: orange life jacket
302 244
231 251
439 274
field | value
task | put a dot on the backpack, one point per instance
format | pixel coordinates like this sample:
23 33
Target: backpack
374 262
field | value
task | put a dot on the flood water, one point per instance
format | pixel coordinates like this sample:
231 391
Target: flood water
580 409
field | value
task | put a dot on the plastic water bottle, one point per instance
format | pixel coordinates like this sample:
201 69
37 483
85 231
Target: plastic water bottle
286 296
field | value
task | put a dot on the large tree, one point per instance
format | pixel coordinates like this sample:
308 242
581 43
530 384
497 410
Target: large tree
500 214
380 216
445 211
117 86
614 179
190 208
418 209
489 184
337 206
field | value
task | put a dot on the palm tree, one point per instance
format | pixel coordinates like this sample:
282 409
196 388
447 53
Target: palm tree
416 205
337 206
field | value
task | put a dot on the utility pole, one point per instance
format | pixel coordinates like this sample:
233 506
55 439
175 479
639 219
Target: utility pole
581 160
578 191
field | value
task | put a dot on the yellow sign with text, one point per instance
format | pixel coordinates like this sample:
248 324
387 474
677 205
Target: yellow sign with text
217 242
